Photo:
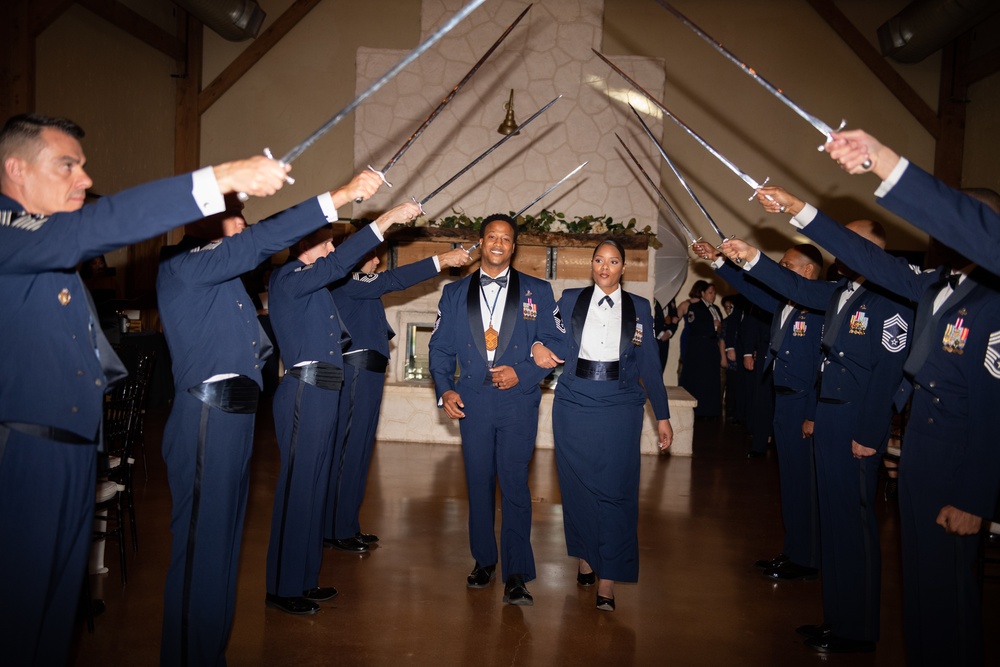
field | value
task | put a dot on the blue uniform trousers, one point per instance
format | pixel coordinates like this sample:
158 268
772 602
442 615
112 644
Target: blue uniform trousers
597 436
305 422
851 555
498 441
208 487
360 404
942 611
47 501
797 474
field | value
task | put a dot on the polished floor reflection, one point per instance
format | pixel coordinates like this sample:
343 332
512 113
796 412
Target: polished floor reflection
699 601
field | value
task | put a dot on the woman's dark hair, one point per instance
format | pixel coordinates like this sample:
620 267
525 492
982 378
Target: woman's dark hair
698 287
615 244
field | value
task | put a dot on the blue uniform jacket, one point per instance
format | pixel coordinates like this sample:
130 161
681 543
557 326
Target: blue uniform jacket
795 347
51 374
458 332
209 320
302 310
639 356
358 299
954 218
864 344
954 362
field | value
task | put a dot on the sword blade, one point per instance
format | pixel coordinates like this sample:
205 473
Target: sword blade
677 173
539 197
822 127
649 180
486 152
746 178
451 95
385 78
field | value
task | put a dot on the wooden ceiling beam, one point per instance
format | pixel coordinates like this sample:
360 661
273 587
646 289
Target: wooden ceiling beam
257 49
45 12
137 26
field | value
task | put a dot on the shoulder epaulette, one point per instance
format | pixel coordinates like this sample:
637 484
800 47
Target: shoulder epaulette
22 220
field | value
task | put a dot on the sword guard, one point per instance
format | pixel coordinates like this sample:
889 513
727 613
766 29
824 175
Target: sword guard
381 174
738 262
769 197
421 206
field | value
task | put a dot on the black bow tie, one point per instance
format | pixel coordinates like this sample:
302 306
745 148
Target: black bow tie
952 279
485 280
611 303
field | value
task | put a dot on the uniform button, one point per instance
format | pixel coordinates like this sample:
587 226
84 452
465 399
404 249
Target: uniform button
74 409
331 333
331 317
843 370
932 383
254 343
936 400
331 353
840 354
256 356
787 352
256 366
98 382
930 420
73 337
79 373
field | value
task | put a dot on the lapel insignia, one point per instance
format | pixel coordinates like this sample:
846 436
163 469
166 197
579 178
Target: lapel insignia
527 292
955 336
64 296
799 328
637 338
529 309
992 361
894 333
859 323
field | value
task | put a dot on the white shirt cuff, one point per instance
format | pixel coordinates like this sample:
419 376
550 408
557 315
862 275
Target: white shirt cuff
805 216
326 205
894 176
206 193
750 263
437 263
718 262
378 232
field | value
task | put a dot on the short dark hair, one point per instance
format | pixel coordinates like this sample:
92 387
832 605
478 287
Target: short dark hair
613 243
986 196
499 216
698 287
812 253
24 129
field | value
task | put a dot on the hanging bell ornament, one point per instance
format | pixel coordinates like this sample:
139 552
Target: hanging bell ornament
509 124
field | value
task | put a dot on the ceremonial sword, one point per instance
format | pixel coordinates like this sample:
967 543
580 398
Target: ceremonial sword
677 173
746 178
657 191
539 197
445 101
298 150
483 155
818 124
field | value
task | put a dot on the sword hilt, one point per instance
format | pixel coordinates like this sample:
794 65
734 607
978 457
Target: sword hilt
242 196
419 205
760 185
737 261
381 174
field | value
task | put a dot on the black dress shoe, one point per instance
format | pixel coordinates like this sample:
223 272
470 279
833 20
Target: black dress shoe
351 544
481 576
292 605
320 594
789 571
515 592
366 538
774 562
813 631
585 580
831 643
605 604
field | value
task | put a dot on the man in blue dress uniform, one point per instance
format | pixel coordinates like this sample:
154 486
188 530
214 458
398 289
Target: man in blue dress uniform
864 343
217 348
793 358
489 321
359 300
58 364
308 329
950 466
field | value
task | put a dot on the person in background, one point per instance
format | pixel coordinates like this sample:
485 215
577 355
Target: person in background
703 355
665 322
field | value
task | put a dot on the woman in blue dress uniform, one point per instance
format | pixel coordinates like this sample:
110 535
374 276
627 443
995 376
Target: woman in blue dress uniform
701 357
597 418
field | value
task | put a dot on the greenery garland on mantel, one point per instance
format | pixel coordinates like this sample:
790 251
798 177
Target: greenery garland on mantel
548 228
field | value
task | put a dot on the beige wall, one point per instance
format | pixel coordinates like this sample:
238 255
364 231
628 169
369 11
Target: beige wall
122 92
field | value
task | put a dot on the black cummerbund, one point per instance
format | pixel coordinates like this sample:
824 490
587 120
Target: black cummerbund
370 360
596 370
785 391
237 394
48 433
319 374
834 401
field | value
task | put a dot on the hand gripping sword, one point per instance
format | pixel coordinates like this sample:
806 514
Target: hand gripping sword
746 178
649 180
822 127
440 107
483 155
301 148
